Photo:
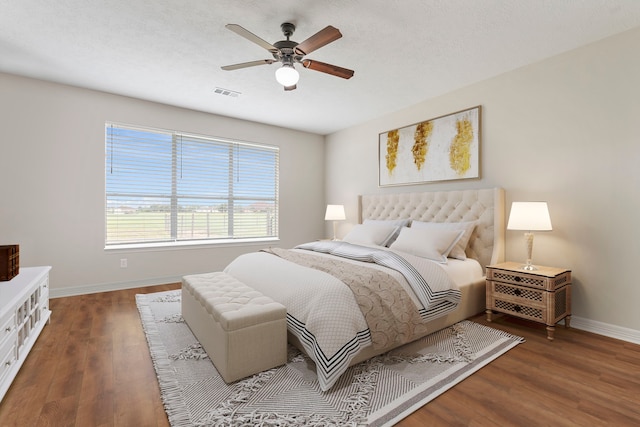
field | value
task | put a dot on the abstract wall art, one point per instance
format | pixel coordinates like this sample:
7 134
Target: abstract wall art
439 149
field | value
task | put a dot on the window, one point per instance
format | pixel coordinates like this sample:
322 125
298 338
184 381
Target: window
164 186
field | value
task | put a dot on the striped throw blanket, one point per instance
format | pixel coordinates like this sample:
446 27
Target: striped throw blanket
438 296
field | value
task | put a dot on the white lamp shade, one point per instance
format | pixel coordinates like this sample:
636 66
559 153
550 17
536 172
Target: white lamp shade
287 75
529 216
335 213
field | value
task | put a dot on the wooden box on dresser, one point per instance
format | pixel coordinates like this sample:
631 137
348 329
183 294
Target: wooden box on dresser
24 310
542 295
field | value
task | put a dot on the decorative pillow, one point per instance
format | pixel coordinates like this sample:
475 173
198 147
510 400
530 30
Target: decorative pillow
370 234
397 223
427 243
458 251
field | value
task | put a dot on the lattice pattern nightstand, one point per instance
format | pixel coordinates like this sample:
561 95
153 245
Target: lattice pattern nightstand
542 295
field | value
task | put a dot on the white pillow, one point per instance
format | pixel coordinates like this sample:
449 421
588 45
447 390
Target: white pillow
397 223
459 250
370 234
427 243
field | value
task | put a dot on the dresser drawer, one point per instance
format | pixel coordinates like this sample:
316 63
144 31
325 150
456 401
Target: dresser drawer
8 314
44 289
7 357
7 327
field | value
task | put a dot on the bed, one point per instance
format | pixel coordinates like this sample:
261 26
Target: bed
412 288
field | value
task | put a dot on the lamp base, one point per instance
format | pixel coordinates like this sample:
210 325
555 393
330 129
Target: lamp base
528 241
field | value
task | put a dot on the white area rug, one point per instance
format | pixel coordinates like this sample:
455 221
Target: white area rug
378 392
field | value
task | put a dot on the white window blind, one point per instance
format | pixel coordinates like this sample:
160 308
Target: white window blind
164 186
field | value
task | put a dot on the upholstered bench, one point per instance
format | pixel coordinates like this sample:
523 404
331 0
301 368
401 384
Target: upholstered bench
242 331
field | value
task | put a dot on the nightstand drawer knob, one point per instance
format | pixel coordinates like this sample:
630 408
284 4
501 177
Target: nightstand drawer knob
517 292
517 278
517 308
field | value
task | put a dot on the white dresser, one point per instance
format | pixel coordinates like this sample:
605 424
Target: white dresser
24 310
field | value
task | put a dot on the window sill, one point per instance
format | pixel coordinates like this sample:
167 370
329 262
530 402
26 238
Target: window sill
197 244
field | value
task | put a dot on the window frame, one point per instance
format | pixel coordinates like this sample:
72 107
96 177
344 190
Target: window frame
175 208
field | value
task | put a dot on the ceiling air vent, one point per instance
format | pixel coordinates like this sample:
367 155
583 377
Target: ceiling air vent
226 92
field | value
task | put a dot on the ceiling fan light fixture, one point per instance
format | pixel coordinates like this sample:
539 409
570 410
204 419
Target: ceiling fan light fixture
287 75
289 52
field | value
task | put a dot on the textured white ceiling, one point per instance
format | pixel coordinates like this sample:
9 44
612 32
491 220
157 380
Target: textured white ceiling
402 51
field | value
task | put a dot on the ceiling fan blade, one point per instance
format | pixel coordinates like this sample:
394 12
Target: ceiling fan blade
328 68
290 87
319 39
247 64
251 37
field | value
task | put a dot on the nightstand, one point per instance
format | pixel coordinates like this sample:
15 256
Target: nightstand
542 295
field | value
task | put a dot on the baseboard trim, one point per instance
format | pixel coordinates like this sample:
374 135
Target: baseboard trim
107 287
608 330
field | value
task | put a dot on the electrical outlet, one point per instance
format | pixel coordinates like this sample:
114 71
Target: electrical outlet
123 263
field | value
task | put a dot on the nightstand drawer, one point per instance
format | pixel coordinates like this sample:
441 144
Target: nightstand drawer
532 304
507 291
546 278
519 310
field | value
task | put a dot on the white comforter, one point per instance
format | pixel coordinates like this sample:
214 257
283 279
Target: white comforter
321 310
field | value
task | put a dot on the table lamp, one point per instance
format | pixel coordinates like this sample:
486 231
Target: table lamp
529 216
335 213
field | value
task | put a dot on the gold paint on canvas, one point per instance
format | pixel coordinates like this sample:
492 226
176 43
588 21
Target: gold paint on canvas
420 145
460 150
393 138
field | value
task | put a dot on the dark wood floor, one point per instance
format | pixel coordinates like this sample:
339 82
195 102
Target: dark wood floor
91 367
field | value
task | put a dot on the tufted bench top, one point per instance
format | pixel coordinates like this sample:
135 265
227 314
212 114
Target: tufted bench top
232 303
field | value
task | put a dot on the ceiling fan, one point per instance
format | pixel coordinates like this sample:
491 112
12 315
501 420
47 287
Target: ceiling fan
289 53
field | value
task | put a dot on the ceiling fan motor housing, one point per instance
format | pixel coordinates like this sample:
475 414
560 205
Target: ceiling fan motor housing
286 48
287 29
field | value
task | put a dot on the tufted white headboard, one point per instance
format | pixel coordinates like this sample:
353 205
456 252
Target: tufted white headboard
486 206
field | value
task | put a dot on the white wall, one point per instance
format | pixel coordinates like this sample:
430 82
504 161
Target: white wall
52 192
564 130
